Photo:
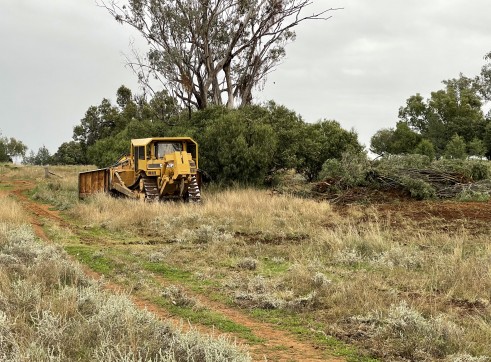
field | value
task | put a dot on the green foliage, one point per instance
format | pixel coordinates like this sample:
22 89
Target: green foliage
4 157
380 143
107 151
99 122
288 128
236 145
415 113
456 148
69 153
401 140
351 170
476 147
105 131
235 148
455 110
486 138
404 139
462 179
321 141
91 257
42 157
474 170
426 148
418 189
10 148
123 96
479 171
397 162
473 196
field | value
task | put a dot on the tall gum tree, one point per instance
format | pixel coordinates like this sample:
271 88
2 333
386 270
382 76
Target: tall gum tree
211 52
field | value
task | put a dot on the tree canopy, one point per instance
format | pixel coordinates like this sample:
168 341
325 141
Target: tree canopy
10 148
450 116
236 145
211 52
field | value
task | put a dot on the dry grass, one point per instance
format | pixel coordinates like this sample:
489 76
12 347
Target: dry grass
50 311
221 215
399 290
11 212
300 256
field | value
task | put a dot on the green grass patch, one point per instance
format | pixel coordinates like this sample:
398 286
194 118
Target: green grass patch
270 267
101 233
94 259
6 186
209 318
168 272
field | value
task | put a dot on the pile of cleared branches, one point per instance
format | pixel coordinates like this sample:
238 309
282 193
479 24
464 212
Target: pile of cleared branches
427 183
460 189
416 176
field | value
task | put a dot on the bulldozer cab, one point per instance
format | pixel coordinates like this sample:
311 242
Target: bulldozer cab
163 148
146 150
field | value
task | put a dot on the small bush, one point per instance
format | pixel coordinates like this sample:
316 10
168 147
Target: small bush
350 170
418 189
479 171
319 280
470 195
247 263
178 296
405 333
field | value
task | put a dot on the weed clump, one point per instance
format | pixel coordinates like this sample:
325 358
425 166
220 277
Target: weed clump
247 263
404 332
177 296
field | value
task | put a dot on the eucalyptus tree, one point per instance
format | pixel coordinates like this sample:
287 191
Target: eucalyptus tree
456 109
10 148
211 52
485 78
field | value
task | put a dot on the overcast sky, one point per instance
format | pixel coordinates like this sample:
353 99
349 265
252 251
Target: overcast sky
58 57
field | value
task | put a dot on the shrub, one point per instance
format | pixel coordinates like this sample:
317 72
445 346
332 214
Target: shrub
350 170
470 195
479 171
178 296
418 189
391 163
405 333
247 263
472 169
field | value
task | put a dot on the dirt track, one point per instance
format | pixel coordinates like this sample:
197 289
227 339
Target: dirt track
278 346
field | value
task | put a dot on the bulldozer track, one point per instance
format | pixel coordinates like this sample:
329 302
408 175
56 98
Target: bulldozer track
193 190
150 188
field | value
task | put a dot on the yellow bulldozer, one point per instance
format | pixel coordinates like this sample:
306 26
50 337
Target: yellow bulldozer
158 168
